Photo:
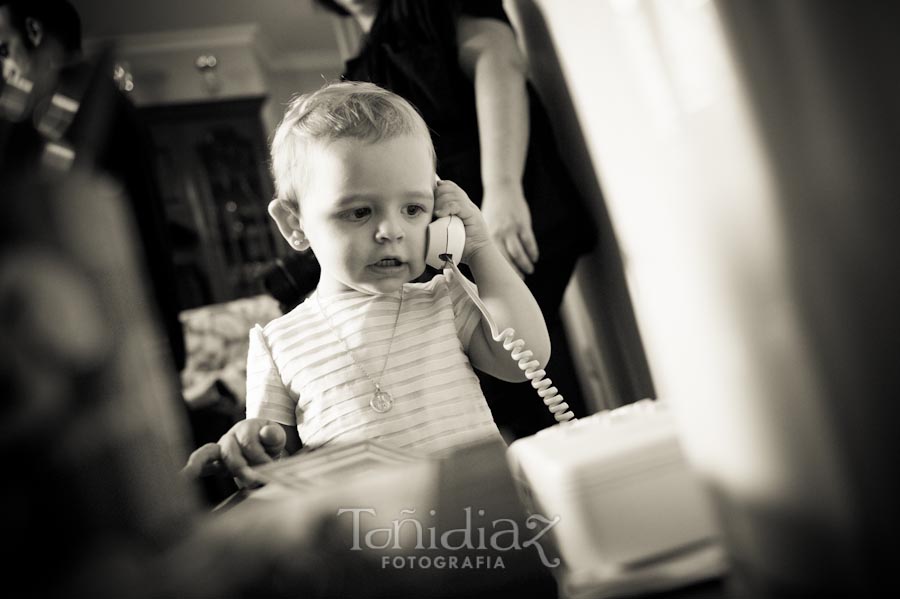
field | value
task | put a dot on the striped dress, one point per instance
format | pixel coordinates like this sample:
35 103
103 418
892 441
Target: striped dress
299 373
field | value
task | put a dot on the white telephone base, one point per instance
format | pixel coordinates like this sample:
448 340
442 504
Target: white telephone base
632 512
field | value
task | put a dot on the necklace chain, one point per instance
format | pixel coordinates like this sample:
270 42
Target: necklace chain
381 401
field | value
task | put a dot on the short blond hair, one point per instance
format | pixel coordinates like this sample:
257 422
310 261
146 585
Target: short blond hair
340 110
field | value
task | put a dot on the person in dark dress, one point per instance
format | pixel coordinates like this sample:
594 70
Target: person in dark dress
458 62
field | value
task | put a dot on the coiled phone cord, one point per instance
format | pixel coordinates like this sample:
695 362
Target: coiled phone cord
516 347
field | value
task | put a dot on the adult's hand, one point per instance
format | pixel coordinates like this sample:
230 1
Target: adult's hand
508 220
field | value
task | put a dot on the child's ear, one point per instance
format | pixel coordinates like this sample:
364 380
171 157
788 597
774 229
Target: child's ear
286 214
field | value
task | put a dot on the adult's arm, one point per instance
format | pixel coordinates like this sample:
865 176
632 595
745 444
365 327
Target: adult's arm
490 57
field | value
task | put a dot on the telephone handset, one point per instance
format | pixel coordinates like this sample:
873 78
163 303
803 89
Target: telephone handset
445 242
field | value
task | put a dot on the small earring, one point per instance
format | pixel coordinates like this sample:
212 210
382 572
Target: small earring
296 239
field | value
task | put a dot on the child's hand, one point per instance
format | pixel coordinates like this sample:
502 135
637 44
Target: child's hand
249 443
451 200
206 460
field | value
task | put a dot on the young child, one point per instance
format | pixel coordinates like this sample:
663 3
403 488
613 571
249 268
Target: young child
370 355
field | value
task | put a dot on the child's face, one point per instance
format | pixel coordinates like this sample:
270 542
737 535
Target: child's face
365 212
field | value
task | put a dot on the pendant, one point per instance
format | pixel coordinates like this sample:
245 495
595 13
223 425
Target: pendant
381 401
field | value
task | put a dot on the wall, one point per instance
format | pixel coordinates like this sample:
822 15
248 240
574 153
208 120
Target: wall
287 81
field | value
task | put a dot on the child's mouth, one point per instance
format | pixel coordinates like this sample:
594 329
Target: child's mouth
388 262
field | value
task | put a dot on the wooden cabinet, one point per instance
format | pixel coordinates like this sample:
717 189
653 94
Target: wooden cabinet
211 165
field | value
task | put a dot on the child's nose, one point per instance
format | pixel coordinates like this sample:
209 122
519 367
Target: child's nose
389 229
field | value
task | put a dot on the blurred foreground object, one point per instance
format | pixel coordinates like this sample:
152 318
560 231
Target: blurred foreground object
383 522
749 159
90 432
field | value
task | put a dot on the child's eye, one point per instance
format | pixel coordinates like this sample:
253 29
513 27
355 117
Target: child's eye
357 213
414 210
